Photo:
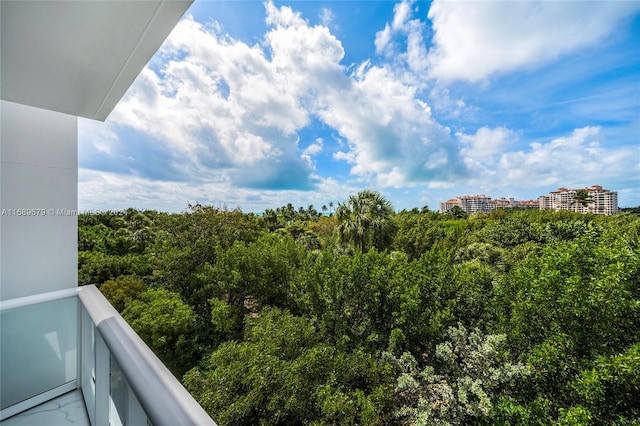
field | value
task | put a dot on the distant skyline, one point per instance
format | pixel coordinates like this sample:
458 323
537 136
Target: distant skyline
259 104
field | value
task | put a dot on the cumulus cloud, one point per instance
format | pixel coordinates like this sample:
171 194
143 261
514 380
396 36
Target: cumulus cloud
217 109
220 116
475 40
235 109
315 148
283 16
391 134
102 147
402 41
106 190
576 159
486 142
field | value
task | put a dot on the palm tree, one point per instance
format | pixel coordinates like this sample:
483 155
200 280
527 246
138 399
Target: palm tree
582 197
366 220
457 213
312 212
270 218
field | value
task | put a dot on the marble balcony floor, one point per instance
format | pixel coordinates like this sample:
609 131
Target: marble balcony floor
67 409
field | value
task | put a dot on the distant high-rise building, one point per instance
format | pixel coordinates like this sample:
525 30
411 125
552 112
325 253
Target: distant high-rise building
476 203
600 201
483 204
468 203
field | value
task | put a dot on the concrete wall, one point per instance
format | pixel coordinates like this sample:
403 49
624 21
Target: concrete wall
38 201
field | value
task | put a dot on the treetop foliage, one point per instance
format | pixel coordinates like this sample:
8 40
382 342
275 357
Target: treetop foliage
356 314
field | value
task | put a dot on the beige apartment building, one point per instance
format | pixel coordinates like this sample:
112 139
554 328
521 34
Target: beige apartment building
602 201
484 204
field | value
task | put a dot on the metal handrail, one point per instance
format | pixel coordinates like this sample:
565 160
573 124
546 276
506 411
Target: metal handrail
19 302
162 397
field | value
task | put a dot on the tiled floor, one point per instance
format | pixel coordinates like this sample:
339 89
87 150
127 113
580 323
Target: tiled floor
67 409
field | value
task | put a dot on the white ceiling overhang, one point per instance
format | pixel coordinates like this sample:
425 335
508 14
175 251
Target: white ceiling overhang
79 57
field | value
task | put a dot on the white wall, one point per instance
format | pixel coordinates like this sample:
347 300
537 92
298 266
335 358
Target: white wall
38 186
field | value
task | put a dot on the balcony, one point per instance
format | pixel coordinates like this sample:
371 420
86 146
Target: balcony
69 355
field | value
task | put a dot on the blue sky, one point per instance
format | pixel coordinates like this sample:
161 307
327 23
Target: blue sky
257 104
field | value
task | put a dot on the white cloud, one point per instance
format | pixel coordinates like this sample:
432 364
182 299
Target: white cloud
349 157
108 191
391 135
475 40
399 24
401 14
442 102
486 142
326 16
383 38
412 30
221 110
221 106
574 160
315 148
220 119
283 16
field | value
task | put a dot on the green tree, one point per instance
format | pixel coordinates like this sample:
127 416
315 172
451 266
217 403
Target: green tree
121 241
92 237
366 221
249 276
371 300
581 197
417 232
122 290
282 373
572 302
464 383
609 391
95 267
166 324
632 210
192 240
457 213
324 228
292 330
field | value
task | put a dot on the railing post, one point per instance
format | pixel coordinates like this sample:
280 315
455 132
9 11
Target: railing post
102 367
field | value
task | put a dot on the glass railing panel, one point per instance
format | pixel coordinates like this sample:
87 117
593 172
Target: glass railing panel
135 412
38 351
117 394
124 407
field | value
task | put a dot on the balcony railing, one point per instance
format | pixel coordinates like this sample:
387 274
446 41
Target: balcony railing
57 342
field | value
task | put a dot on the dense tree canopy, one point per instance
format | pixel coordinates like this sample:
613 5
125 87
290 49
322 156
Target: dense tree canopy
361 315
165 323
